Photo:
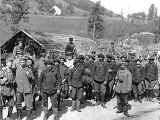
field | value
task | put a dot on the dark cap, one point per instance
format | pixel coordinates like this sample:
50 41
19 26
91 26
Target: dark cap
151 58
92 57
112 42
81 57
70 39
31 60
109 56
62 58
48 62
101 55
138 60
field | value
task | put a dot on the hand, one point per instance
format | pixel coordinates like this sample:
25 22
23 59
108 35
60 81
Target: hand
109 70
58 92
105 82
63 80
142 82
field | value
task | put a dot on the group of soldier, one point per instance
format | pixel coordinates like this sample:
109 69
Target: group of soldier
100 76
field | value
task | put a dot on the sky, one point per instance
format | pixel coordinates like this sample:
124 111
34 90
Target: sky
135 5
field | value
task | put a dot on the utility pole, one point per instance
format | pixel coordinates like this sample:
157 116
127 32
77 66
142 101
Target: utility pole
0 58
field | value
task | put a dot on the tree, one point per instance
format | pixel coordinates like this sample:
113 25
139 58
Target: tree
151 12
13 12
95 22
156 13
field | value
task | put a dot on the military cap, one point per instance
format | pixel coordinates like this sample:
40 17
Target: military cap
23 58
81 57
109 56
127 60
151 58
123 57
70 39
138 60
48 62
75 61
92 57
101 55
31 60
56 60
9 60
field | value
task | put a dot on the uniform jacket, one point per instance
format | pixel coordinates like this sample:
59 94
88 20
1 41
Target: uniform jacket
35 73
90 66
49 81
126 78
100 72
138 74
75 76
113 67
70 47
23 80
151 72
16 50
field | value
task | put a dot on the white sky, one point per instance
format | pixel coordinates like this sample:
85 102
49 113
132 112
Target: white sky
135 5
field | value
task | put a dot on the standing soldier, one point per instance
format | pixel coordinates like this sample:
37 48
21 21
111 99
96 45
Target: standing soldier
49 86
111 49
151 78
138 78
24 78
18 48
123 87
111 75
100 77
76 84
34 83
8 87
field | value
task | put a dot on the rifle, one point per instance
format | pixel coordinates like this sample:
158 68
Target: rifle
1 87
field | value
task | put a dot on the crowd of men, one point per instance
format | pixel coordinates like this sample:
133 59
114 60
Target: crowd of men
100 76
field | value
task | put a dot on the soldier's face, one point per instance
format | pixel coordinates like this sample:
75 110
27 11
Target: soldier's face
56 64
9 64
23 63
69 57
62 61
101 59
138 62
109 59
29 62
20 44
49 66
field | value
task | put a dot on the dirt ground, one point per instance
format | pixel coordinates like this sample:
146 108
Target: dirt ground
140 111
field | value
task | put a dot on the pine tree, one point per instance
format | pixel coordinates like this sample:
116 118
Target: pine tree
95 22
151 12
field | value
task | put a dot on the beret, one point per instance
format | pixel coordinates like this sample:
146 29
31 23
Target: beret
101 55
48 62
75 61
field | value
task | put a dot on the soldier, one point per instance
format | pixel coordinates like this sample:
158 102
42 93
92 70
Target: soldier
69 61
8 87
138 78
76 84
100 77
30 63
70 47
111 49
111 75
16 63
123 87
151 78
49 86
18 48
24 78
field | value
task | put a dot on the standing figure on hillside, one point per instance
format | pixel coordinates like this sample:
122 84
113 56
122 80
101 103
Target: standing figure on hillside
138 79
24 78
123 87
151 78
111 76
49 86
100 77
111 49
76 84
18 48
71 48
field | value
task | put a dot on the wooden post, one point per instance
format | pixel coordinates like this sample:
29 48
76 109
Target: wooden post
0 59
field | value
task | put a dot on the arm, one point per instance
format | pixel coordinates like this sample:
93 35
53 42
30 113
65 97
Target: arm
40 81
93 71
14 51
129 80
58 79
156 73
70 77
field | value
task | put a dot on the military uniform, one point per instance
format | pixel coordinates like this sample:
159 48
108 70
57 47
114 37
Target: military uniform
49 83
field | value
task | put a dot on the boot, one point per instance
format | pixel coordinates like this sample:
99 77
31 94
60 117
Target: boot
126 111
119 108
73 105
97 99
140 99
126 114
150 95
10 109
135 98
19 114
29 113
45 109
55 111
59 108
78 106
1 113
103 101
147 95
34 106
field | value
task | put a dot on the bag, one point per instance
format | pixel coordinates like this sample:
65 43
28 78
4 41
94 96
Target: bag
87 79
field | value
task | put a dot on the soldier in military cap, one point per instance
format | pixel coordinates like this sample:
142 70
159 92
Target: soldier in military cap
18 48
24 78
100 77
49 86
151 78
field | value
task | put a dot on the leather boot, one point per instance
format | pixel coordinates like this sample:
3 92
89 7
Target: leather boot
140 99
1 113
19 114
78 106
45 109
150 95
103 101
10 109
55 111
135 98
97 99
29 113
126 111
73 105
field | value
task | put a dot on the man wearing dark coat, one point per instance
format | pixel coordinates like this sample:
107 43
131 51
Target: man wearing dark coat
70 47
138 79
76 84
151 77
49 86
100 77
